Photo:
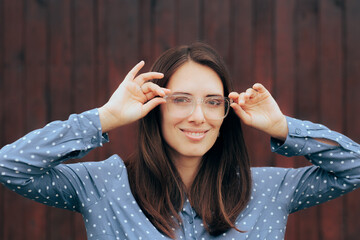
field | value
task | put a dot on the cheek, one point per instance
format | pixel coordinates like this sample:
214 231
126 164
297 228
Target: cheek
217 126
167 121
168 124
216 133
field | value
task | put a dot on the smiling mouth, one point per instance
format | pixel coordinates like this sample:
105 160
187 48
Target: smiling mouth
194 135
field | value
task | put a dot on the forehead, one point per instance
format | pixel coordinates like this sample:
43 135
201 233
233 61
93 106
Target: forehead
195 78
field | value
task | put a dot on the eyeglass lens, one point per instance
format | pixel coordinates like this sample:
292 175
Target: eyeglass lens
214 107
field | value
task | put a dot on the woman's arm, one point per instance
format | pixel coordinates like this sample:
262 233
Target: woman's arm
31 165
335 170
336 158
258 109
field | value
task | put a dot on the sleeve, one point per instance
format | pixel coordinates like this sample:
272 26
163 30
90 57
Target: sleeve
335 170
32 167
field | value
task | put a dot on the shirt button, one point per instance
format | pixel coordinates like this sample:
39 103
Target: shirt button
191 221
298 131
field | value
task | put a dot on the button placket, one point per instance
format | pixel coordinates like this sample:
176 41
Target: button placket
188 217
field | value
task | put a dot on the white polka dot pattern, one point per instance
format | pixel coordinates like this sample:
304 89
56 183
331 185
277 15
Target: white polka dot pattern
33 167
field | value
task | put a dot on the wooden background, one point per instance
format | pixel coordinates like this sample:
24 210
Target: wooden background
61 56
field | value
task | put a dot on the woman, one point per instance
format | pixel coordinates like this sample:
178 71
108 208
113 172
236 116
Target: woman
191 176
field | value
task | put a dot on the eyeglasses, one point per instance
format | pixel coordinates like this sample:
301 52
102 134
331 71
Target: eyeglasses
183 105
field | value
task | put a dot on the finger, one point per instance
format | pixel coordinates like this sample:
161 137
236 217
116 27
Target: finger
134 71
241 98
250 93
142 78
151 95
259 87
234 96
150 87
150 105
241 113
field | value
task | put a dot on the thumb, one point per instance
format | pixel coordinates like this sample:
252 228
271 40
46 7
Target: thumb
241 113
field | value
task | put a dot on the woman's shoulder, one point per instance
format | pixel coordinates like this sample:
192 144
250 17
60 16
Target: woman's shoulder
266 175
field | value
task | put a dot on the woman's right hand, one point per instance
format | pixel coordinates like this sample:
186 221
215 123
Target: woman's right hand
133 99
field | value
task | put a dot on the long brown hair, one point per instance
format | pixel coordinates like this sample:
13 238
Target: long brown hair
222 187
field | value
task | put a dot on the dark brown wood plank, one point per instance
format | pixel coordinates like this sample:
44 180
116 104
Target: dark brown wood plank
2 142
242 45
216 26
34 95
61 222
13 120
284 69
122 55
35 63
284 82
263 55
101 67
331 92
146 23
188 21
164 25
242 54
351 105
60 59
307 88
83 91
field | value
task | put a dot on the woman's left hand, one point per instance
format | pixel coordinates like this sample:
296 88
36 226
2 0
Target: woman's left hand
257 108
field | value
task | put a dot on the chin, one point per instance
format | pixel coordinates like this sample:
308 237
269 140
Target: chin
191 153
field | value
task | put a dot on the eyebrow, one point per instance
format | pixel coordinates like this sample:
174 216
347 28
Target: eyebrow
209 95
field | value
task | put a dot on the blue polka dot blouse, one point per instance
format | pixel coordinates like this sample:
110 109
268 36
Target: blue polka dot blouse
33 167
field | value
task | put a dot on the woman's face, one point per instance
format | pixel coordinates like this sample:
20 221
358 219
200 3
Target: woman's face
191 136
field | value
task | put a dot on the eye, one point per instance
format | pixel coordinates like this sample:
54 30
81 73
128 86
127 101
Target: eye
214 101
181 99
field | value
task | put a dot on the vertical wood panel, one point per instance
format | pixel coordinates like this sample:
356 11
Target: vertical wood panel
13 103
83 73
284 84
59 94
263 72
101 66
352 106
164 25
242 57
188 21
84 55
2 125
122 54
242 44
307 101
146 34
216 26
331 102
34 95
60 60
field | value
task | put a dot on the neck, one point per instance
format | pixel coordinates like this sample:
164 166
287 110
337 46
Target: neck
187 168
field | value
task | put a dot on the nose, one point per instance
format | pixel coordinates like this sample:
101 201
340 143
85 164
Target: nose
198 115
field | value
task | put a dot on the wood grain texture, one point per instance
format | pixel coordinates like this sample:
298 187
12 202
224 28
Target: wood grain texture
61 56
351 105
331 99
